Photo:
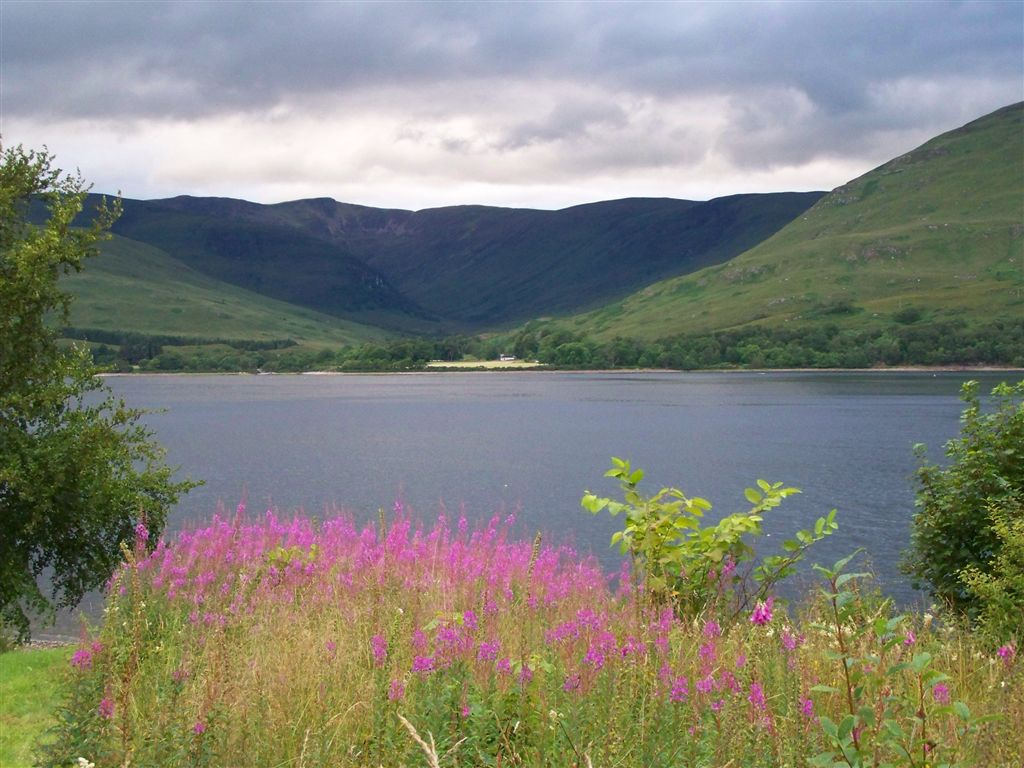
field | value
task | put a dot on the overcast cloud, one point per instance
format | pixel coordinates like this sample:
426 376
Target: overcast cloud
414 105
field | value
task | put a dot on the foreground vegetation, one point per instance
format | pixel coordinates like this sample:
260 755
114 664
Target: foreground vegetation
30 690
275 641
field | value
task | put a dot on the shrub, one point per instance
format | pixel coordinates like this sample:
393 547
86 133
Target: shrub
954 534
1000 592
699 568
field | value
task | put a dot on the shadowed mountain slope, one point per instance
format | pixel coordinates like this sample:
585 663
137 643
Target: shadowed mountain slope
456 268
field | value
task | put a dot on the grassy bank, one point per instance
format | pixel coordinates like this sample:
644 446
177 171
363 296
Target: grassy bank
29 694
274 641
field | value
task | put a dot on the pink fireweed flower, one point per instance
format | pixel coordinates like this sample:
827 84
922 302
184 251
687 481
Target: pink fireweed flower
1006 652
807 708
741 661
106 708
396 691
504 666
679 691
419 640
941 693
141 533
789 640
82 659
469 621
706 684
572 683
380 649
632 646
712 629
525 674
594 657
762 613
423 664
756 696
910 638
728 568
707 653
731 682
199 728
488 651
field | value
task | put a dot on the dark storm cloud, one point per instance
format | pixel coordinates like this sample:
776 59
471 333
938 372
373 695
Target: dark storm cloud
186 59
502 92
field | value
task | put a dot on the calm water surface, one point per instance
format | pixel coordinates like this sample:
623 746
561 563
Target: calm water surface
532 442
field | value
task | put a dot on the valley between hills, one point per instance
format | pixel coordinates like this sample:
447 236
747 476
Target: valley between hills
918 262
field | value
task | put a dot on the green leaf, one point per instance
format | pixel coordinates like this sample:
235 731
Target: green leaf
829 727
920 661
846 727
752 496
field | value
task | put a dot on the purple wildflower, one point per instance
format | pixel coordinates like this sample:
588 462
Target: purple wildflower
741 661
1006 652
488 651
81 659
807 708
504 666
594 657
419 640
756 696
469 621
705 684
525 674
199 728
572 683
106 708
707 653
423 664
396 691
941 693
762 613
712 629
680 690
380 649
789 640
910 639
141 533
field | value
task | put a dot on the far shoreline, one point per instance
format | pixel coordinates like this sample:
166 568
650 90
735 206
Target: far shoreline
542 368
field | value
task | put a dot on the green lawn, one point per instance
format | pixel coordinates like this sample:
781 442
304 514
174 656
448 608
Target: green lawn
29 693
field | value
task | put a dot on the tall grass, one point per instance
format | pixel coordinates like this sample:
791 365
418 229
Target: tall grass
280 642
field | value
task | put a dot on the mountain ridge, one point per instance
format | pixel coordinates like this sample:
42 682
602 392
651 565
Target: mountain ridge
463 268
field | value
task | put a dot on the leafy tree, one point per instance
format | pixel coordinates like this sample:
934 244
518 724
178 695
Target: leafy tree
78 472
963 507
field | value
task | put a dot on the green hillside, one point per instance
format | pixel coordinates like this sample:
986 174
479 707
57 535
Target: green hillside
934 235
463 268
135 288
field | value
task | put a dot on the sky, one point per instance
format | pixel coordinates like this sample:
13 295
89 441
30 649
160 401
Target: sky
533 105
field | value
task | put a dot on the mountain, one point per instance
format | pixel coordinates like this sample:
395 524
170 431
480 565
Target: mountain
462 268
134 288
935 234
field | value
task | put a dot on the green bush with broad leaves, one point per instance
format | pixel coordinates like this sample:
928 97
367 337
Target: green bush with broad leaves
699 567
968 518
